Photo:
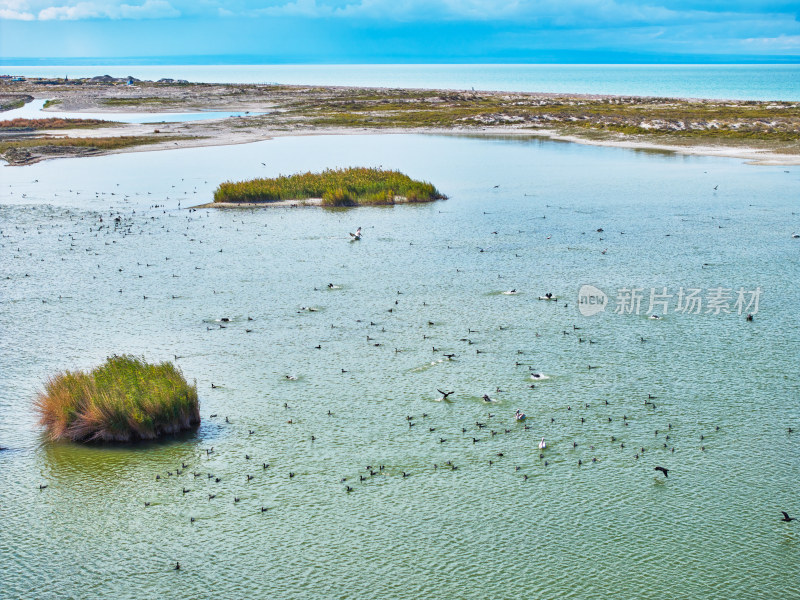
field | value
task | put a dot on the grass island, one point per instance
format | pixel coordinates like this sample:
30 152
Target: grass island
354 186
123 400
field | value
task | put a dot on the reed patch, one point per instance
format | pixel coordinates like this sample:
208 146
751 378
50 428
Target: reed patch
124 399
355 186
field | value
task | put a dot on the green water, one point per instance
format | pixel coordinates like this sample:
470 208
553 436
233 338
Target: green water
610 528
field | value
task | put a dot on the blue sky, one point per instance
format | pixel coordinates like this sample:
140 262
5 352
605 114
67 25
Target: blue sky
367 31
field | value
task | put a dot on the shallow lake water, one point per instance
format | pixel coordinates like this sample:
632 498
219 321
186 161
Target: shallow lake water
425 281
34 110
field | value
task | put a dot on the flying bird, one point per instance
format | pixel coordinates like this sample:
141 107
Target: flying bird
663 470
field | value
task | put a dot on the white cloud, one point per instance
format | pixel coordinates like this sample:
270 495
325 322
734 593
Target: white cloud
781 42
151 9
15 15
298 8
71 11
82 10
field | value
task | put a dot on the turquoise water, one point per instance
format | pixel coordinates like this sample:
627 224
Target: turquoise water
743 82
613 528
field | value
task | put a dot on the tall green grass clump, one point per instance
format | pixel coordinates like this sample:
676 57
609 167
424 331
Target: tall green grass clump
354 186
125 399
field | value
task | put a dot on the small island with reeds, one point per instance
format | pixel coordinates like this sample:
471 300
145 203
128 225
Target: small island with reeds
354 186
125 399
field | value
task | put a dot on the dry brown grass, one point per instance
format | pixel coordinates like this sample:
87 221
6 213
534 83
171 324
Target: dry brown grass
124 399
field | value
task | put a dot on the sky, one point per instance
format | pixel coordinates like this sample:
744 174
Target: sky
401 31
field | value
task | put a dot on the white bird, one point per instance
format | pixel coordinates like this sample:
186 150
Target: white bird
542 445
796 235
356 235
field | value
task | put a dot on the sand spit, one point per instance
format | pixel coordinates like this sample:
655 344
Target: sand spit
701 127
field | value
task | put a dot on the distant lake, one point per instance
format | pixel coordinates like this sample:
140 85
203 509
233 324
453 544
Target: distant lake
744 82
33 110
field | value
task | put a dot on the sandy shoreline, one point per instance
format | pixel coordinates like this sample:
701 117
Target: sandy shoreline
303 111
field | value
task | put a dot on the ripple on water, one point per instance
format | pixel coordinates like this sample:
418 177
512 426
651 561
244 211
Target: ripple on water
598 530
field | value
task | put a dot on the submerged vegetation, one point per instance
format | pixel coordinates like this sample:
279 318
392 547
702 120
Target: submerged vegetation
138 101
354 186
27 150
124 399
52 123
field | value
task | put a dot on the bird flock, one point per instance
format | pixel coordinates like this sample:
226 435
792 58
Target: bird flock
550 437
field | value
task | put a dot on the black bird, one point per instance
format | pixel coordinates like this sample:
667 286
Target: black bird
444 394
177 566
786 518
663 470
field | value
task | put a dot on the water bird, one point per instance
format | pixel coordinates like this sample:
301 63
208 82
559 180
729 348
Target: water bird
42 486
663 470
357 235
542 444
444 394
177 566
786 518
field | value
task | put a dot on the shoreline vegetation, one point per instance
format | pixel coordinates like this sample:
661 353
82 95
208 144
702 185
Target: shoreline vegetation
355 186
28 125
123 400
759 130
